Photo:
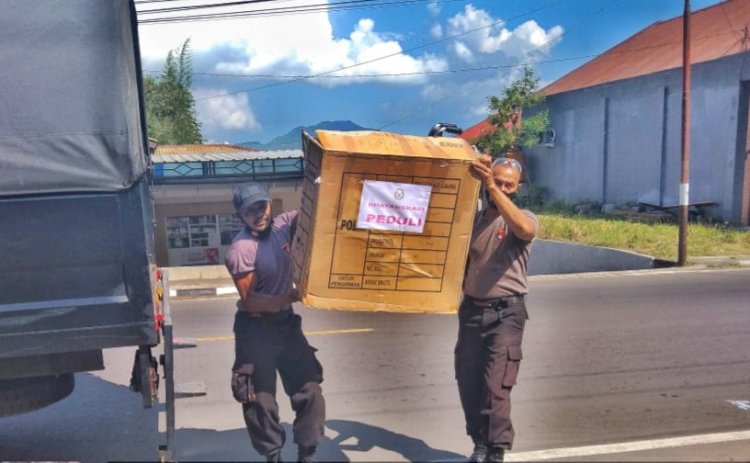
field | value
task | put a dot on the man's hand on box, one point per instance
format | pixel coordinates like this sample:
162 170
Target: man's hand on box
481 168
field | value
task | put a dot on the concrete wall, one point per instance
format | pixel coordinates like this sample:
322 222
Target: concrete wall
547 258
620 142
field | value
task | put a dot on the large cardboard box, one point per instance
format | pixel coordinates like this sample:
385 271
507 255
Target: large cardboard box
385 221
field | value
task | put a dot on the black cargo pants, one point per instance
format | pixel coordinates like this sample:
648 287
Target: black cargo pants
264 345
487 357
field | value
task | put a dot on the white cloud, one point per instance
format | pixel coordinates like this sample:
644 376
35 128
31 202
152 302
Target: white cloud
436 31
228 112
471 96
434 8
516 43
462 51
289 44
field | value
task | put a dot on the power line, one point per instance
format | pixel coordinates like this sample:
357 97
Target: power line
277 11
424 45
447 71
449 96
206 6
399 74
199 5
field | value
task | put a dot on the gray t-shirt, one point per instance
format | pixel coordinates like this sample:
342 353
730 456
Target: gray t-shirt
270 259
497 259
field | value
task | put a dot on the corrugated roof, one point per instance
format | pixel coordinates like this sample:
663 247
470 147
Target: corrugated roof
717 31
217 152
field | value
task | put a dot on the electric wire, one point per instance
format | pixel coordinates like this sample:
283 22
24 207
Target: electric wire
276 11
447 71
423 109
380 58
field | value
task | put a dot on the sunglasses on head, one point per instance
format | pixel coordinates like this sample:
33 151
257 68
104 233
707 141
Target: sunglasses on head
508 162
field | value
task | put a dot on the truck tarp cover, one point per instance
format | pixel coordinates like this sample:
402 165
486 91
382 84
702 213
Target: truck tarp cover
70 118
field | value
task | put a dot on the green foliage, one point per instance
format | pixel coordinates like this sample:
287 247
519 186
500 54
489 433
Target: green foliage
532 198
170 107
507 112
654 239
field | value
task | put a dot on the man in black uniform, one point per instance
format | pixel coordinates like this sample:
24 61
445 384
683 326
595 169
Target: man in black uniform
268 334
492 315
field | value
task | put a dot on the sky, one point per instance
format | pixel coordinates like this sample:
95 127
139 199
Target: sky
394 65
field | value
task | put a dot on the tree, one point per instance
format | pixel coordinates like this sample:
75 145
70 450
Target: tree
511 131
170 107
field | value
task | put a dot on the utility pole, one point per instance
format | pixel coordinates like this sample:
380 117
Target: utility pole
685 177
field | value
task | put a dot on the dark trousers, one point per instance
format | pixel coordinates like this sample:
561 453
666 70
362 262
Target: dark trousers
487 357
263 346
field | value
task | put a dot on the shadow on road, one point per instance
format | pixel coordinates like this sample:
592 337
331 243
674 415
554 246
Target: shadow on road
102 421
369 437
234 445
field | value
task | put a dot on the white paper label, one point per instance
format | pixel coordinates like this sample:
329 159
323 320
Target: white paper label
393 206
684 194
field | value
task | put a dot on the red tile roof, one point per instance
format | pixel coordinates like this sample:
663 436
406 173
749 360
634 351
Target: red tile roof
716 31
475 131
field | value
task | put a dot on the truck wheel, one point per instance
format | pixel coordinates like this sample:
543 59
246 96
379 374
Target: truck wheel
21 395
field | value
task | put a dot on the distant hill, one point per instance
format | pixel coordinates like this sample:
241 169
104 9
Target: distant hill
293 139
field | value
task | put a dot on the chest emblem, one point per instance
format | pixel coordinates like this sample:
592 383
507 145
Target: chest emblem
286 246
500 233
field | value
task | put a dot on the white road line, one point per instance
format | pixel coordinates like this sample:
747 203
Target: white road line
646 272
636 446
741 404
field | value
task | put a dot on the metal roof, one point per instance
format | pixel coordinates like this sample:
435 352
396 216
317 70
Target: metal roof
217 152
716 31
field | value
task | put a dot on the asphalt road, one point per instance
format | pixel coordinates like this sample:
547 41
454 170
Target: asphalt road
655 361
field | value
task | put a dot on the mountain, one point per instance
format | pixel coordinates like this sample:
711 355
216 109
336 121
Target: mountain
293 139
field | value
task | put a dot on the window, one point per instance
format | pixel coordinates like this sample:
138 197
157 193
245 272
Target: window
177 232
200 228
196 231
229 226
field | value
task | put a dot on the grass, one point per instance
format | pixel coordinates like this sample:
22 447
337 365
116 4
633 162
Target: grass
658 239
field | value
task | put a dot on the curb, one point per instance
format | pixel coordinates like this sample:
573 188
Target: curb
213 281
223 289
196 292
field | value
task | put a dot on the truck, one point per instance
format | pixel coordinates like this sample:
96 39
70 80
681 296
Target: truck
77 263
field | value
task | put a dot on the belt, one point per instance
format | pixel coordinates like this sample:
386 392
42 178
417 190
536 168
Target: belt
500 302
271 316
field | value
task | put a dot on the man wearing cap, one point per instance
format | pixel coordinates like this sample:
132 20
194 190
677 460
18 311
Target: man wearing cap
268 334
493 312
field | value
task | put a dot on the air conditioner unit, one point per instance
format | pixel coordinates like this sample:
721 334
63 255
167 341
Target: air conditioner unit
548 138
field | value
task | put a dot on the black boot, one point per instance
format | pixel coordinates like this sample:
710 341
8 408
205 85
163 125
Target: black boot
496 455
479 455
274 457
306 454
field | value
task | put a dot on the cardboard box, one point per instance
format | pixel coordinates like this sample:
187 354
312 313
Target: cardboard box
385 221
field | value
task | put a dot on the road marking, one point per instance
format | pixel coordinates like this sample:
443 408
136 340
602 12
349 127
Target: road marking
353 330
307 333
741 404
636 446
620 273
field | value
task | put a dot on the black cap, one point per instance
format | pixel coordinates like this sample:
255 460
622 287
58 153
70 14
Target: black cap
249 193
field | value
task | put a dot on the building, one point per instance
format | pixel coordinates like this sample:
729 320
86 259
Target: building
617 119
192 192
